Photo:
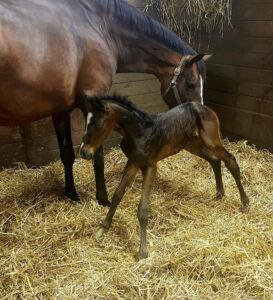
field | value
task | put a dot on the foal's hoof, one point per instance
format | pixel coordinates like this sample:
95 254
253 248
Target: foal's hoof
100 233
244 209
142 255
220 195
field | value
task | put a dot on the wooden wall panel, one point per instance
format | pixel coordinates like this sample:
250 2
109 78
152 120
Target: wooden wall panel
240 76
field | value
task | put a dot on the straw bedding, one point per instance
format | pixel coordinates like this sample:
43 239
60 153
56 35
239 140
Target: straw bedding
200 248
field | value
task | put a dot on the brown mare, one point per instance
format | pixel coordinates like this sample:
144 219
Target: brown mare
149 138
52 53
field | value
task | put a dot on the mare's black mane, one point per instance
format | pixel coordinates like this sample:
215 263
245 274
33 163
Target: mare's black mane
118 11
131 18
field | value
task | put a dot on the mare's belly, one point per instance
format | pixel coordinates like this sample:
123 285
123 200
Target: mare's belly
22 105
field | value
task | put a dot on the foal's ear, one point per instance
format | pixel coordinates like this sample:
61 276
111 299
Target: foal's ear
95 104
206 57
198 57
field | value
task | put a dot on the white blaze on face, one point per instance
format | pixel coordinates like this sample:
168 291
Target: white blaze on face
88 120
82 144
201 89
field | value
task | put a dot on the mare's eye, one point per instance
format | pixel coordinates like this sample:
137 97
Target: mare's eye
190 86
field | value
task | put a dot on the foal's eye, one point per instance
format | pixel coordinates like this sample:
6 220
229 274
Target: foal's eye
190 86
98 124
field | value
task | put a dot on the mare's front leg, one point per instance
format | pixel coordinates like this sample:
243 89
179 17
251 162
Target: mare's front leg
101 192
149 175
62 126
196 147
129 174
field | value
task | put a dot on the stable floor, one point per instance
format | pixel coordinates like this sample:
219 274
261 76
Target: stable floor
200 248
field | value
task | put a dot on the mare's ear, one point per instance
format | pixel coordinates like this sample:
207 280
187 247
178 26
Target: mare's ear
198 57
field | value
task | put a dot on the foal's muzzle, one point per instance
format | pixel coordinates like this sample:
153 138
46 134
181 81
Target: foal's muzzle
86 153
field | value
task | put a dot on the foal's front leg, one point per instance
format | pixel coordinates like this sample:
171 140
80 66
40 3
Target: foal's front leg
149 175
129 174
101 193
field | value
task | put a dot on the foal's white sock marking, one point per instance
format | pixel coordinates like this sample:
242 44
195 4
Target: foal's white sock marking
201 90
88 120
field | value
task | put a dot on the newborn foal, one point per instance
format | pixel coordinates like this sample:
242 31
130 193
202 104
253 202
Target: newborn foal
148 139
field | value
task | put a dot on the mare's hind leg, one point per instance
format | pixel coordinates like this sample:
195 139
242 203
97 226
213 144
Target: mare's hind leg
196 147
101 193
234 169
129 174
63 131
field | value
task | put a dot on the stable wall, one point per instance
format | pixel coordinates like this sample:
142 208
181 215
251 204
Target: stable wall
240 76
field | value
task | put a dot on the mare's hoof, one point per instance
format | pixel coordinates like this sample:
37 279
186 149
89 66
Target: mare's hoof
220 195
100 233
142 255
102 199
105 203
73 196
244 209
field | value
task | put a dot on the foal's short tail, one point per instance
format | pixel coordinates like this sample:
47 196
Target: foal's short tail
208 126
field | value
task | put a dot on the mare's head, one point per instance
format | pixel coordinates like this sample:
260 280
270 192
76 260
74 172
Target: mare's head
186 81
100 122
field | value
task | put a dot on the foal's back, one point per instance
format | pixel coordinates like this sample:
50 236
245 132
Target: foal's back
183 123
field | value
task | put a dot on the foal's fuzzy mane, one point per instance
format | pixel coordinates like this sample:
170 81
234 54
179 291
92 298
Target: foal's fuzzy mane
119 100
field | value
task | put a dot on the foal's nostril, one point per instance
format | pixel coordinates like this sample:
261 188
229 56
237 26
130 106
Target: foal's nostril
85 154
89 156
82 154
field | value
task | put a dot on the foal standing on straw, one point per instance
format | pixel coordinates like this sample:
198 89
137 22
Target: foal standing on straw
148 139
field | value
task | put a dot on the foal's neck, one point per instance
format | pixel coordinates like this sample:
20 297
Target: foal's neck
132 124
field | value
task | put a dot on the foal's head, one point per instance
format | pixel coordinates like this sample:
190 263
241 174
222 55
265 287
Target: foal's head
188 78
100 122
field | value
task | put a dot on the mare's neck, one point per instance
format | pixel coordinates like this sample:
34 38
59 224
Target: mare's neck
140 54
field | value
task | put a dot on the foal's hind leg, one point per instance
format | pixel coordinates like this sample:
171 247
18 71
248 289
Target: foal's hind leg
129 174
196 147
234 169
209 133
63 131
